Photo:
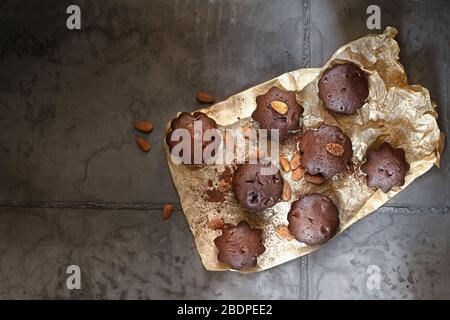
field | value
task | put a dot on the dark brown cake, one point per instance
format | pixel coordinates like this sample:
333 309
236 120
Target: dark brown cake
186 121
269 118
385 167
313 219
343 88
254 190
239 246
325 151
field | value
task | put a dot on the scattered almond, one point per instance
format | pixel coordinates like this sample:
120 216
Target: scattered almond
287 191
295 161
298 173
144 126
167 211
143 144
279 106
284 163
314 179
216 224
283 232
205 97
335 149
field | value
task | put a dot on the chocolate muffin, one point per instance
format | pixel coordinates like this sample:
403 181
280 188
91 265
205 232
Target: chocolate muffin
239 246
385 167
313 219
186 121
343 88
254 189
278 109
325 151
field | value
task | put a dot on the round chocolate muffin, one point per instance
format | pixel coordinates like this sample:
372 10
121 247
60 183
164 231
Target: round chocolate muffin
313 219
239 246
278 109
254 189
325 151
343 88
385 167
186 121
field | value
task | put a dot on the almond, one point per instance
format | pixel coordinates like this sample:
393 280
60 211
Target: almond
283 232
295 161
144 126
287 192
216 224
205 97
143 144
335 149
314 179
284 163
167 211
298 173
279 106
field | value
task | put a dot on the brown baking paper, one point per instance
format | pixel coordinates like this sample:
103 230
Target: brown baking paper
396 112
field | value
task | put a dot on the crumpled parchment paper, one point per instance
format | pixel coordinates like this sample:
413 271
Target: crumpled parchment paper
395 111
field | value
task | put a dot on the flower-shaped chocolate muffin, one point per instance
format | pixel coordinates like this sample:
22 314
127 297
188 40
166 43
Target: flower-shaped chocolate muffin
239 246
325 151
385 167
196 125
343 88
313 219
257 186
278 109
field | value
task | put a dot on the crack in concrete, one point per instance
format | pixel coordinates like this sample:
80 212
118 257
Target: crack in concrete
83 205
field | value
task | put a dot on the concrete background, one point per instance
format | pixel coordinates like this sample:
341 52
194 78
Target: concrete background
74 188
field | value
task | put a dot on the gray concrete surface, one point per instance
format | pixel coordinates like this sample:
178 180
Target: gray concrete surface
74 189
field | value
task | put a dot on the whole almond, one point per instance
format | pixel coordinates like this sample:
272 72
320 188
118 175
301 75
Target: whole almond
314 179
167 211
284 164
335 149
143 144
283 232
144 126
287 192
279 106
216 224
298 173
295 161
205 97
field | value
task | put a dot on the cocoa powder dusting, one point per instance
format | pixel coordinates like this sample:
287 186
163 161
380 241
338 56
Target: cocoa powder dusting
226 175
215 196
